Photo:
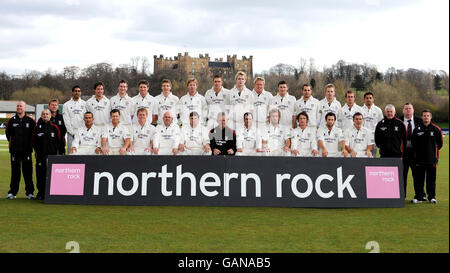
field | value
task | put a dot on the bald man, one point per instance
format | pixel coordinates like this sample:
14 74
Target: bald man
19 131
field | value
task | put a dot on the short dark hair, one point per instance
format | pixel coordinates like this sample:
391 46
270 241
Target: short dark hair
357 114
303 114
114 111
282 82
166 81
76 86
98 84
306 84
143 82
88 113
193 113
330 114
426 111
248 114
217 76
349 92
123 81
368 94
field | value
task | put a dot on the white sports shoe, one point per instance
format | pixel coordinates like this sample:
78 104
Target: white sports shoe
30 196
416 201
10 196
433 201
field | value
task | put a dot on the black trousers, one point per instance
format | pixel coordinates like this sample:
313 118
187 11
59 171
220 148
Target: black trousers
41 174
408 162
21 163
423 172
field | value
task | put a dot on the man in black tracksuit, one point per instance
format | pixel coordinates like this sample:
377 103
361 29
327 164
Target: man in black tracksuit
19 132
46 141
58 120
427 140
390 136
222 139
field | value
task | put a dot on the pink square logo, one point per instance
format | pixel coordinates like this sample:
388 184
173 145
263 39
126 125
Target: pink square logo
67 179
382 182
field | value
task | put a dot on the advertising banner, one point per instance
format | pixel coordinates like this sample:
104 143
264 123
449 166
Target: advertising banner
225 181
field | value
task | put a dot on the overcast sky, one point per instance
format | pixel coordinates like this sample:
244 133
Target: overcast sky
43 34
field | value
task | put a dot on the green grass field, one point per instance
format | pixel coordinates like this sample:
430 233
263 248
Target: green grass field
32 226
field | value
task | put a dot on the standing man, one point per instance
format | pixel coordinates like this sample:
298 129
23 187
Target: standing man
142 135
192 102
124 104
359 141
115 138
330 137
46 141
19 131
372 115
88 138
194 137
222 139
308 104
411 122
276 139
144 100
241 100
58 119
261 104
166 101
167 136
99 106
285 103
73 114
345 114
218 100
248 139
329 104
427 140
390 135
304 141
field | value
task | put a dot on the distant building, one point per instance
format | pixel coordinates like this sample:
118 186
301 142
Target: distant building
188 66
8 109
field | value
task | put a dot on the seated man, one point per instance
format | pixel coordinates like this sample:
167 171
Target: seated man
359 141
115 138
222 139
142 135
304 142
167 136
330 137
248 141
87 138
276 138
194 137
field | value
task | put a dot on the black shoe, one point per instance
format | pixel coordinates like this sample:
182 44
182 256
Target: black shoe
39 197
424 199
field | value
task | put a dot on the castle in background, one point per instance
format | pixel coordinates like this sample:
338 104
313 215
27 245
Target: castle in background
188 66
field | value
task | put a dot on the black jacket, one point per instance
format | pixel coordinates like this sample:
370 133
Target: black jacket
223 140
19 133
46 139
409 150
390 137
427 141
58 120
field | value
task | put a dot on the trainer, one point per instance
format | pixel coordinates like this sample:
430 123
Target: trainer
427 140
390 134
222 139
46 141
411 122
19 130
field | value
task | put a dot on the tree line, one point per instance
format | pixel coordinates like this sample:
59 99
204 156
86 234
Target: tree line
425 89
